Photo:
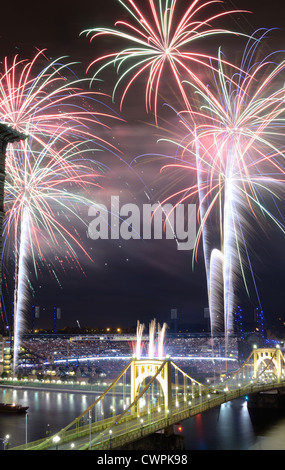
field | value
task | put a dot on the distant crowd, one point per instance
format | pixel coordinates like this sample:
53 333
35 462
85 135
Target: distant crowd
93 357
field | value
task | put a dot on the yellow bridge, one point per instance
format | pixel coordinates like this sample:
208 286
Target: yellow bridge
155 394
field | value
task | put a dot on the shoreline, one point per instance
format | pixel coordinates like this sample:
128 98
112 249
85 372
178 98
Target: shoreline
55 389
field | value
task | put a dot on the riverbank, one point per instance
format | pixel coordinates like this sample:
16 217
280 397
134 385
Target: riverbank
68 388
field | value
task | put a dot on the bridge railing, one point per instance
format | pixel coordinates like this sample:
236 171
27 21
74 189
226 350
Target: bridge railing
178 415
78 432
184 390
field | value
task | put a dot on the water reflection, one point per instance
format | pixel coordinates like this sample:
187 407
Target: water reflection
232 427
47 410
229 427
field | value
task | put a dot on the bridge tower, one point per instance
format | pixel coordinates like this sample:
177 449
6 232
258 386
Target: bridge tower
267 357
142 369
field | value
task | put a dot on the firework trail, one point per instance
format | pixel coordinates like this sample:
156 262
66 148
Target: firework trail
237 141
161 340
20 293
163 39
139 344
47 102
247 159
151 342
156 343
36 200
216 289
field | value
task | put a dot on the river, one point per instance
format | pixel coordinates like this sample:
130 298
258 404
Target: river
229 427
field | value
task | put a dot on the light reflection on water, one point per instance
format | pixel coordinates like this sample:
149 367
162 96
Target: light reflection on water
229 427
232 427
226 427
46 409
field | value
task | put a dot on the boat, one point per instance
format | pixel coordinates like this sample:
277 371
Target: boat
12 408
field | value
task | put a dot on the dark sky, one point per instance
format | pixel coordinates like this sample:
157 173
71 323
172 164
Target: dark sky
130 281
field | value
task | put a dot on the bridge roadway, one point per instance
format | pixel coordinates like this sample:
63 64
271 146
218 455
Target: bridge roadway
105 435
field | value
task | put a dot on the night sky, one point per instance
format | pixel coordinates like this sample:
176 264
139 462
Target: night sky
135 280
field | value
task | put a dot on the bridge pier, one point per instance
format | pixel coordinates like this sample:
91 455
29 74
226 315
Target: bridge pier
267 400
169 431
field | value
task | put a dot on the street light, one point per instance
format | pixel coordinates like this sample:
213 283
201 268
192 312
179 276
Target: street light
5 441
90 424
56 440
48 430
27 428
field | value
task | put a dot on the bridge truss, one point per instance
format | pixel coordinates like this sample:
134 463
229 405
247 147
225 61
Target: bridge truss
152 394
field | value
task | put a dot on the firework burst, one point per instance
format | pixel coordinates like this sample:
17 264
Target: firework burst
236 150
162 37
48 177
43 199
44 99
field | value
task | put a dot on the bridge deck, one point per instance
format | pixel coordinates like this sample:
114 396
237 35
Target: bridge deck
131 428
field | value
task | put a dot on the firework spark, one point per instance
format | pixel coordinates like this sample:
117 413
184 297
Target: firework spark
47 176
138 346
43 197
162 37
48 101
238 149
